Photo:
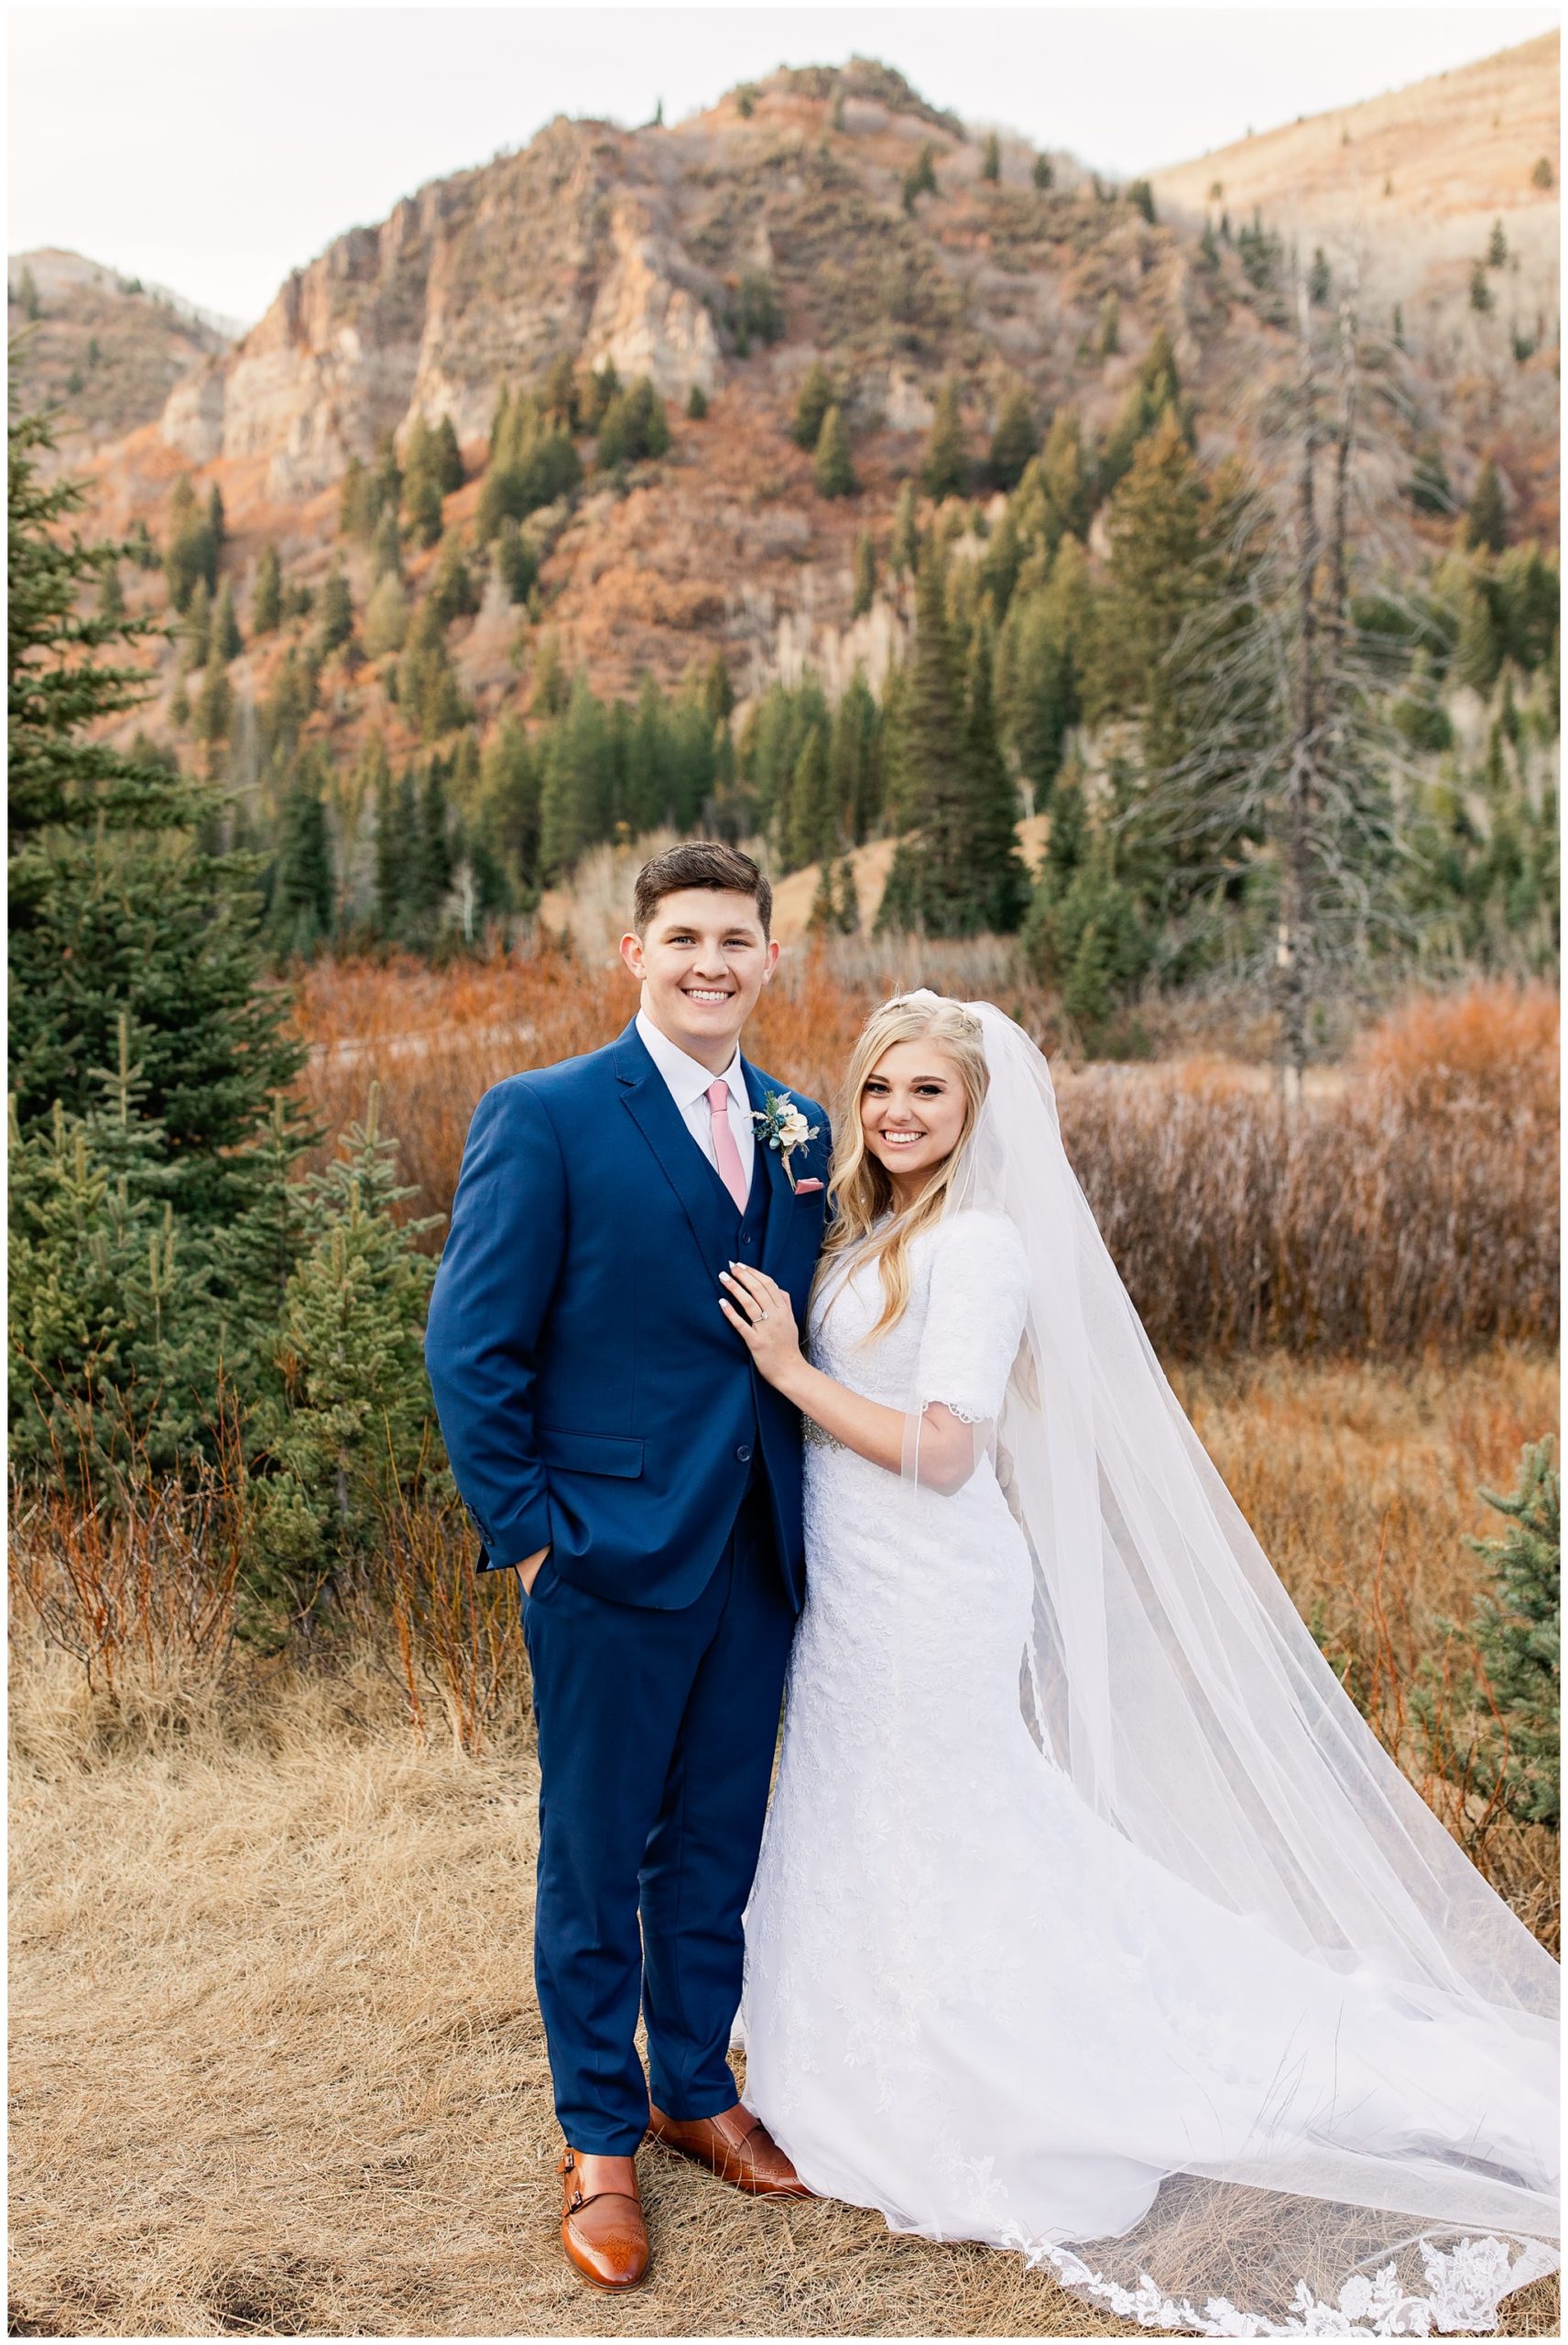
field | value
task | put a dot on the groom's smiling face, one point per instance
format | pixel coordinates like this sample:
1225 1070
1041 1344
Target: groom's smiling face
702 960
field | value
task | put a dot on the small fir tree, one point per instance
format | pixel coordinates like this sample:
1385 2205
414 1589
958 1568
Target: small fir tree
834 468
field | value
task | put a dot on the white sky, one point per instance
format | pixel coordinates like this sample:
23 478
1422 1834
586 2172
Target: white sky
213 148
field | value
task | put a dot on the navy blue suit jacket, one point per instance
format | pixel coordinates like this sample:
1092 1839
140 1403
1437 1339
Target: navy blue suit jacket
592 1396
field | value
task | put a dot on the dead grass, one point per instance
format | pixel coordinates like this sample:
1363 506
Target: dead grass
276 2066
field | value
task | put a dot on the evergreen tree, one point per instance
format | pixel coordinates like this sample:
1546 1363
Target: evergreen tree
214 705
336 624
1110 335
427 689
1015 438
1157 549
1497 247
396 814
1479 651
191 552
114 906
998 877
387 551
904 552
448 458
854 759
517 564
267 596
833 469
1140 195
1506 1744
696 403
1480 292
351 1434
991 157
454 594
576 775
944 468
1156 387
387 617
1485 518
357 502
225 642
1043 173
865 586
509 793
634 427
28 295
932 794
813 821
921 179
300 915
815 397
1429 489
431 861
1320 280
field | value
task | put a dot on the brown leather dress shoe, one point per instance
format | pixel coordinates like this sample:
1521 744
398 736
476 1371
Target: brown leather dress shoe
602 2227
735 2146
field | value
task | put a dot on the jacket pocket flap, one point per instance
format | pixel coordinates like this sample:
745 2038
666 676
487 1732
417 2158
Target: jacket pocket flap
590 1453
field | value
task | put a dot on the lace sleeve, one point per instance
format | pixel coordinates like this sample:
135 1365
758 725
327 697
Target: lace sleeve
975 1316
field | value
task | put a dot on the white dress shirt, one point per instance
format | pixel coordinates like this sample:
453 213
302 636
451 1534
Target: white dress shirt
687 1081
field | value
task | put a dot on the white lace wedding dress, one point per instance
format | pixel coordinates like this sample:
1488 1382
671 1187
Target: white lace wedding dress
971 2004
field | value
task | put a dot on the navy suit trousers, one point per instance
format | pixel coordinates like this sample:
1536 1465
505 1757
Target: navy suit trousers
656 1739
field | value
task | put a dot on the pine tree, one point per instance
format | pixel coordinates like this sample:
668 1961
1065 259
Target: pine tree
1506 1743
191 552
815 397
991 157
1110 336
114 906
905 550
865 587
225 642
1140 195
932 780
1497 247
1015 438
266 595
813 818
430 860
1486 518
635 428
301 913
448 458
454 594
833 469
336 624
1043 174
696 403
352 1432
1320 279
28 295
214 704
387 551
944 468
387 617
357 502
1478 650
1429 489
997 878
1480 292
921 179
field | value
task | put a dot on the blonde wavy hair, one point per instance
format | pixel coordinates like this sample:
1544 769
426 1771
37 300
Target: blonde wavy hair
859 1189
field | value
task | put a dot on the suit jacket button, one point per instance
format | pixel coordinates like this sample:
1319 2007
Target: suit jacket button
743 1452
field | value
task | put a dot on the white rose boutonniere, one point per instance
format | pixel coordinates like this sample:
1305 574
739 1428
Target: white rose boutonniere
783 1126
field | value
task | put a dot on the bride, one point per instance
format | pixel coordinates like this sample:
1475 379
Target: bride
1091 1918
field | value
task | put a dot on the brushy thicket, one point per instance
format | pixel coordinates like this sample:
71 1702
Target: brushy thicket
1413 1206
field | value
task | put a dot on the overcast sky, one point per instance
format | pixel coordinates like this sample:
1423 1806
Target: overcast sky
211 148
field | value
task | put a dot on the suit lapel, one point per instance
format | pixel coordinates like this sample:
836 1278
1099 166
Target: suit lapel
646 1094
781 1201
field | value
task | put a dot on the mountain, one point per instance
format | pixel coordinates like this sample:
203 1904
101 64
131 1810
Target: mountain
819 213
103 349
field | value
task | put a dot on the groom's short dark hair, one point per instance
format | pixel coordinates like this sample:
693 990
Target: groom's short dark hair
700 863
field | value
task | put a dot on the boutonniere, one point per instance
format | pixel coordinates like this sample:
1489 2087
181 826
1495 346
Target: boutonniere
783 1126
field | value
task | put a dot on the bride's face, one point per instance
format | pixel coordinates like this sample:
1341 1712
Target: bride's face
911 1112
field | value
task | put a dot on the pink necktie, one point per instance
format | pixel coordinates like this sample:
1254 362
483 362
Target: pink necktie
726 1155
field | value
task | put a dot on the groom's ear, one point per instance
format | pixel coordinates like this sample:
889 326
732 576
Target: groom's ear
631 953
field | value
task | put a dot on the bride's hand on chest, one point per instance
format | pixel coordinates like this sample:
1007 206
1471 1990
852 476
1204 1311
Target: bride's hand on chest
763 1316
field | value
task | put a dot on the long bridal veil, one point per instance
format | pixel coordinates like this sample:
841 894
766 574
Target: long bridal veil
1402 2176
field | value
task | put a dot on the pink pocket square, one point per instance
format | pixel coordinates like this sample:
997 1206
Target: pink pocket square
806 1188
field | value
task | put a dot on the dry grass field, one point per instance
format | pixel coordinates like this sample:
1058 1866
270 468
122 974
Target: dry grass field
276 2066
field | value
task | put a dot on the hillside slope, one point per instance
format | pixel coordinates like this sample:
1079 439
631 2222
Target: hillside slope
1421 173
105 352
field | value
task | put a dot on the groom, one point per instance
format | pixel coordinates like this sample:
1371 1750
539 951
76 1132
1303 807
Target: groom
614 1444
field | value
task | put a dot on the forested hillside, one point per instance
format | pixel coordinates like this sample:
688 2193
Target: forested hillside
818 471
